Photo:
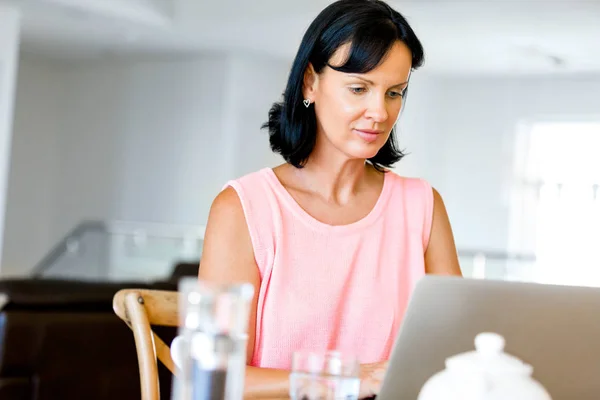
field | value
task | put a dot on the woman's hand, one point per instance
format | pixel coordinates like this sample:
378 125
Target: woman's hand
371 378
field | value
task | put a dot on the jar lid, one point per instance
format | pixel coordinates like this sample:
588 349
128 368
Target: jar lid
489 357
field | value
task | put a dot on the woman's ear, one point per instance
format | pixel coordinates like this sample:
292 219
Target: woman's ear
311 82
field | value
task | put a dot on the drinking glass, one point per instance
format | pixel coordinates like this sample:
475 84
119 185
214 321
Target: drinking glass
210 351
324 376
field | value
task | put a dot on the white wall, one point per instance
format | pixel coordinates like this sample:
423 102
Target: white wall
461 132
34 172
418 131
256 83
143 141
10 27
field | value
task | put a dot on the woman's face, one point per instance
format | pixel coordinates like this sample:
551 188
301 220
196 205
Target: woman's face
356 112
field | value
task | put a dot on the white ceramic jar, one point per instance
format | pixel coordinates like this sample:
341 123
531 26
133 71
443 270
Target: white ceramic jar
487 373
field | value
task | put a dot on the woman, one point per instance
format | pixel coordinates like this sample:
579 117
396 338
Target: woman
332 241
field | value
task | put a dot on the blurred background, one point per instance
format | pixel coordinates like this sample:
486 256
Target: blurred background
121 120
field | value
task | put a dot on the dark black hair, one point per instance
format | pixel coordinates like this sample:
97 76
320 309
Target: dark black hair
371 27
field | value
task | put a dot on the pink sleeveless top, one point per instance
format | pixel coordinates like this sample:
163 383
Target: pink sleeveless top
327 287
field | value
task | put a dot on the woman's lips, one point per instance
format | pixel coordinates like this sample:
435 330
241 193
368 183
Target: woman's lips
368 135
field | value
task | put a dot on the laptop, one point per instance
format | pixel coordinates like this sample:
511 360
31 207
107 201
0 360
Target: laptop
554 328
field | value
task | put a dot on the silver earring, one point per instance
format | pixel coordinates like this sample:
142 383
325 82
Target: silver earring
306 103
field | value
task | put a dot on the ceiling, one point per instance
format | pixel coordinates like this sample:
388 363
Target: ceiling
460 36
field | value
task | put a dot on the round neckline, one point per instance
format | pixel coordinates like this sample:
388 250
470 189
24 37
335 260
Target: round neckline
314 223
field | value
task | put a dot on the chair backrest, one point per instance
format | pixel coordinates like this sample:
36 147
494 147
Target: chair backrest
141 309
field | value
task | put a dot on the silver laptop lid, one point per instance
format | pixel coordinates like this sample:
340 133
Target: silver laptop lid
556 329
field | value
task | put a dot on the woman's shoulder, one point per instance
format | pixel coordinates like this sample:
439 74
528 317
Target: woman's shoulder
409 183
234 191
250 178
416 198
241 199
252 191
244 205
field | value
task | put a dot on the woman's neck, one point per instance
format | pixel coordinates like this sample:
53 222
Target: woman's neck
335 179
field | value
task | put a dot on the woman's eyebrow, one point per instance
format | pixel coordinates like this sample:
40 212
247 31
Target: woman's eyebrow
370 82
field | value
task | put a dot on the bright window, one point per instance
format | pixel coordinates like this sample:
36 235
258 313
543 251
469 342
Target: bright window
557 204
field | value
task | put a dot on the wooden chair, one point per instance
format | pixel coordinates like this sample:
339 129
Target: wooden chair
141 309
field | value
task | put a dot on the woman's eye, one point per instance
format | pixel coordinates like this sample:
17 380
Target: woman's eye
395 94
357 90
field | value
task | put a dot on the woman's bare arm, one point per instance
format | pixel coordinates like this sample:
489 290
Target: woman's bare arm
441 257
228 257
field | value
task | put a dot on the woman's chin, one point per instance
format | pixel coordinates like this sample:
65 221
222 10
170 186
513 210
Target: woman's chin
364 151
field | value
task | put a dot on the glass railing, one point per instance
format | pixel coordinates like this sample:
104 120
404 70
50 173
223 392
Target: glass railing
121 251
497 265
138 251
